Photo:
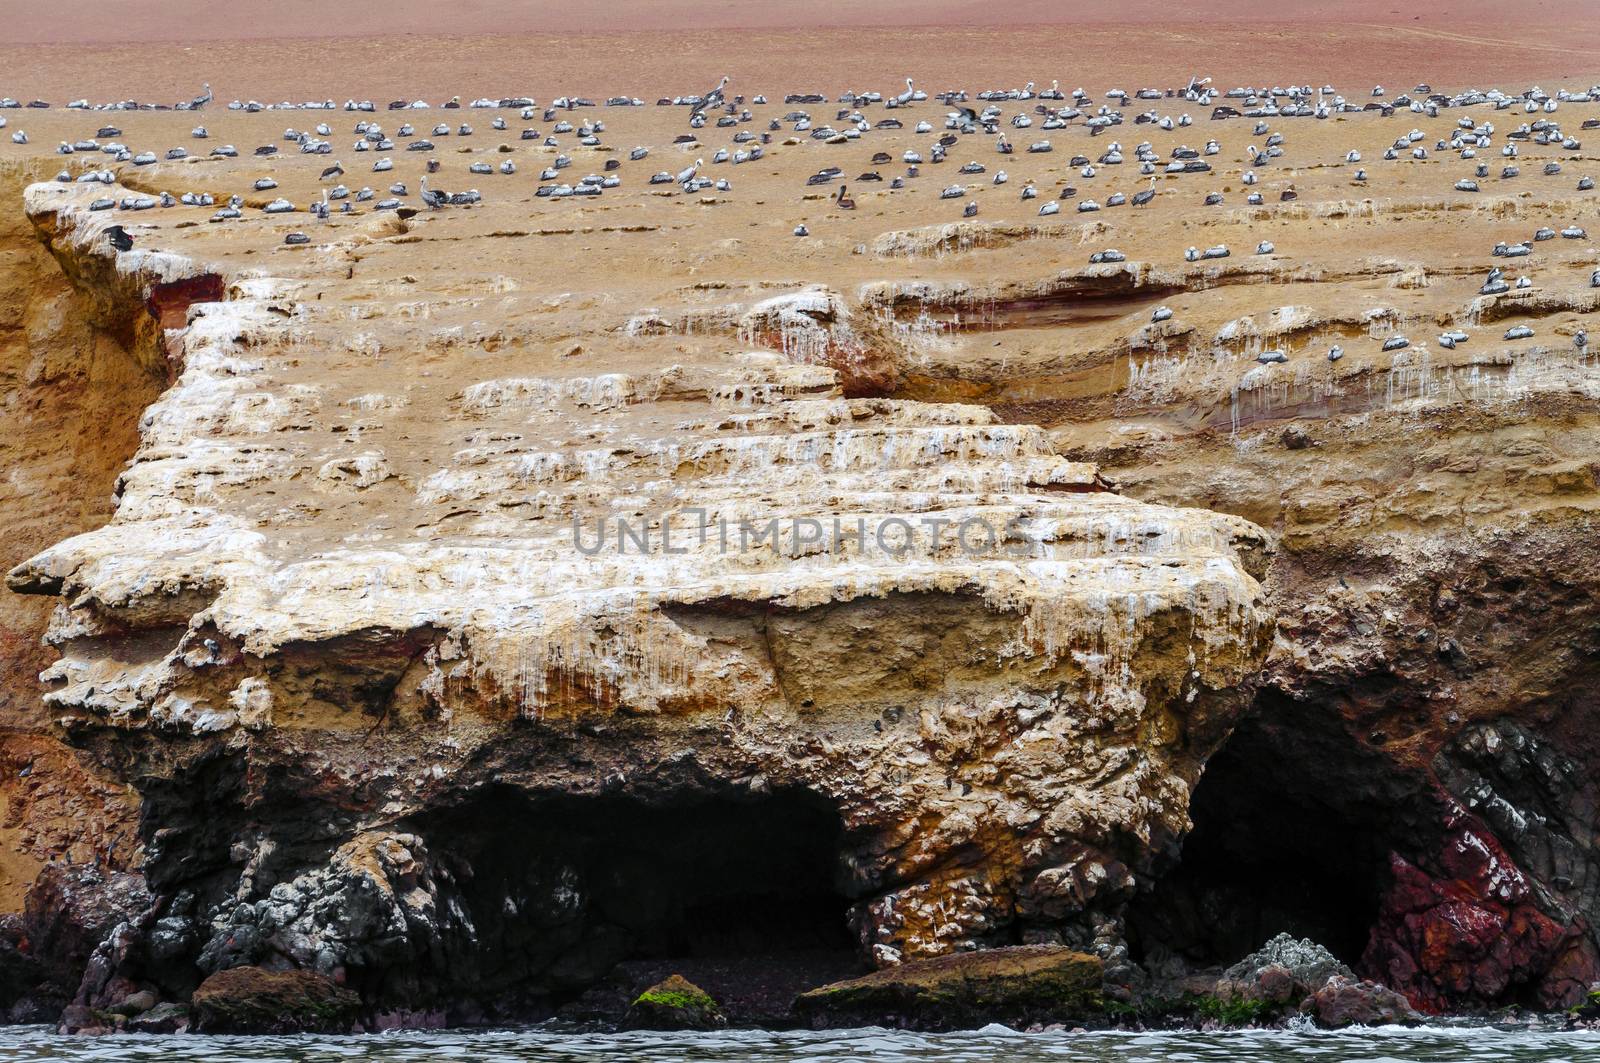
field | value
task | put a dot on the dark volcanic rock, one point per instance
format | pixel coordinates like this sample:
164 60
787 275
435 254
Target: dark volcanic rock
675 1004
1303 965
163 1018
72 910
19 972
1586 1013
87 1021
253 1000
1017 986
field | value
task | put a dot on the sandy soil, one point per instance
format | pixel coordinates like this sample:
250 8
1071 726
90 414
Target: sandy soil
522 284
137 21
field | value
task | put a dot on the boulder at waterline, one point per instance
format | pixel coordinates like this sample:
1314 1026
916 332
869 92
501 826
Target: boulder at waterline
675 1003
1017 986
1346 1002
163 1018
254 1000
1284 970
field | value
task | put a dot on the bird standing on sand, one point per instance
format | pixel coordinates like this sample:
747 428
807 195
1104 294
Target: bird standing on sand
713 98
431 197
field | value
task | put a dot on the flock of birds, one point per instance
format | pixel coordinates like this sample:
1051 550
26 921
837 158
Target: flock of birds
955 121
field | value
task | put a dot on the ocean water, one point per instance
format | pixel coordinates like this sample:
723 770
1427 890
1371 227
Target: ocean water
1544 1043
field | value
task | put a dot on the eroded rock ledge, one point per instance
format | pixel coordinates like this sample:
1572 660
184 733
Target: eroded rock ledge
420 761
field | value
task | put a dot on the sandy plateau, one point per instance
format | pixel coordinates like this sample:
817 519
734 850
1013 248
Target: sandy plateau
1291 625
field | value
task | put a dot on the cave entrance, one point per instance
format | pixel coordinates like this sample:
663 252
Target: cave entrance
569 893
1293 821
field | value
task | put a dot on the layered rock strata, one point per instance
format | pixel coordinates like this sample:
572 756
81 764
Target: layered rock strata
999 680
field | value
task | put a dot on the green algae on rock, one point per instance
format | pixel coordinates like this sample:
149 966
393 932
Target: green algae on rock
675 1003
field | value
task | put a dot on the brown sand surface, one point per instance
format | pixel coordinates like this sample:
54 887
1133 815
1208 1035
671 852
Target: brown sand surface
499 47
553 284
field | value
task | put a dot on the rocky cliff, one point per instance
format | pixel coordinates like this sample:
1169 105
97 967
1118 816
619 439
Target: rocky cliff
75 381
423 763
485 604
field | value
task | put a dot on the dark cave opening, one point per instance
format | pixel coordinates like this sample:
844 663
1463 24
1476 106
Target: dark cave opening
1293 822
565 892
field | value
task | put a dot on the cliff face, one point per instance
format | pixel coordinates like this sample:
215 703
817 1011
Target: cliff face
74 388
422 764
1414 785
1433 682
488 602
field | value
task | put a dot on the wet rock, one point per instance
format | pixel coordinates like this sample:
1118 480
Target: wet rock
19 972
1274 984
1586 1013
1345 1002
1018 986
83 1020
71 911
375 904
163 1018
1303 964
254 1000
135 1003
1469 925
674 1004
32 1011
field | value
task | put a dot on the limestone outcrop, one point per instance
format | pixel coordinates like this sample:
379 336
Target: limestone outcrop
707 585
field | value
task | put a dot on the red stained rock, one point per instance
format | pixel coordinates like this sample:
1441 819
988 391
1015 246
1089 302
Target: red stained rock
1473 932
1345 1002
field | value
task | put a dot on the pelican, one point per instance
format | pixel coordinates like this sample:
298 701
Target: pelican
712 98
688 173
907 96
432 198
